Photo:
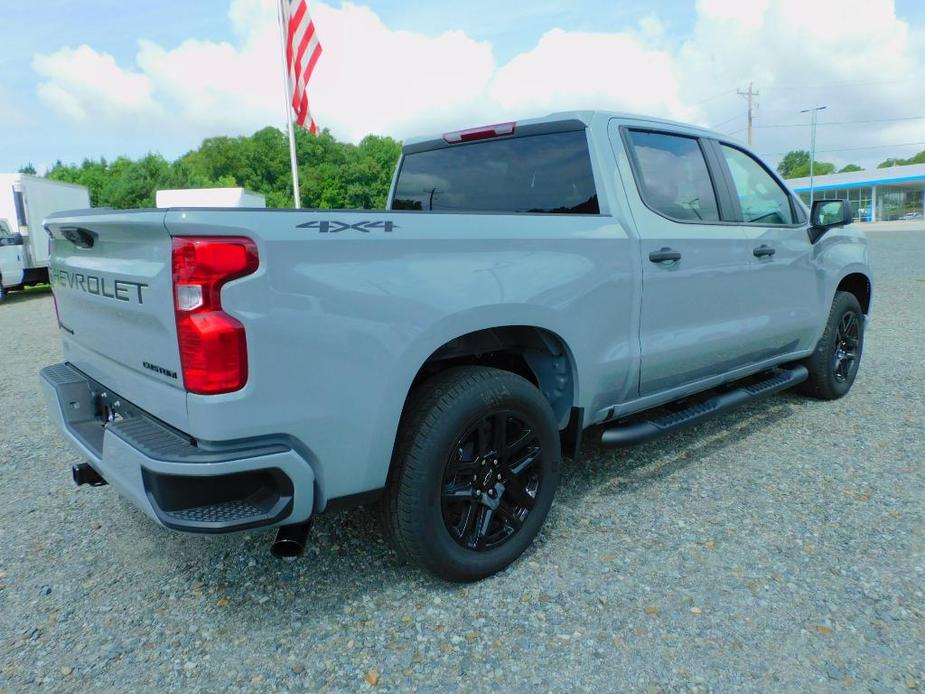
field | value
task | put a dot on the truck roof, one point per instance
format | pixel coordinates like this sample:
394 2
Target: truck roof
563 117
39 179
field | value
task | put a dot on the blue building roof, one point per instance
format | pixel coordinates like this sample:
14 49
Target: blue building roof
906 176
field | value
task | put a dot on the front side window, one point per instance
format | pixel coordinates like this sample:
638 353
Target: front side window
4 229
675 180
761 198
548 173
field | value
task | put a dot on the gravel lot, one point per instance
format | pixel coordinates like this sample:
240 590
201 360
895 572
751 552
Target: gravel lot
781 547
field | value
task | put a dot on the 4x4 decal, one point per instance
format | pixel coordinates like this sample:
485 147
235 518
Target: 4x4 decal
333 227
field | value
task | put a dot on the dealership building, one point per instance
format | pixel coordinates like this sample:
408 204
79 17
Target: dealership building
876 195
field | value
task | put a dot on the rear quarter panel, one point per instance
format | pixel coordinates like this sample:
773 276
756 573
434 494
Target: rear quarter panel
339 323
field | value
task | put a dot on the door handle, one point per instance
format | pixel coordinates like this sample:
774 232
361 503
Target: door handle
664 255
763 250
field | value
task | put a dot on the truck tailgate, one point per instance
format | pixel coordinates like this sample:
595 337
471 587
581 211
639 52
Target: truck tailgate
112 279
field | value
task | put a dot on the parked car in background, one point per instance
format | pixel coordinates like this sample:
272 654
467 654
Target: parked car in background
234 369
24 202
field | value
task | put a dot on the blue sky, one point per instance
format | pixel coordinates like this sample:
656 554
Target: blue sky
677 58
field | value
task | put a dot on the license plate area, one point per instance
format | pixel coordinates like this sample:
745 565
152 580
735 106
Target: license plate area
88 408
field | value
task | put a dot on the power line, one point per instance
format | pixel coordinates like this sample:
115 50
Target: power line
842 122
728 92
714 127
810 85
856 149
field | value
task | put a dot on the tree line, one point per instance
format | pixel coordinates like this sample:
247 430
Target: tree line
332 174
795 164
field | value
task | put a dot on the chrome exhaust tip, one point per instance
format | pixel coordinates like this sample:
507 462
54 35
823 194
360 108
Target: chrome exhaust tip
289 544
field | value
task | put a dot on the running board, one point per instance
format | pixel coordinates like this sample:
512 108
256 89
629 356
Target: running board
639 432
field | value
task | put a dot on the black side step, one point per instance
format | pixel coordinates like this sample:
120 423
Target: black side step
638 432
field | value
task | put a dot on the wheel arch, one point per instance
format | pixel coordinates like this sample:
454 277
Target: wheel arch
859 284
537 354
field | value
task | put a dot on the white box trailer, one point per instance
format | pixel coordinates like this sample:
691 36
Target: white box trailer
209 197
25 201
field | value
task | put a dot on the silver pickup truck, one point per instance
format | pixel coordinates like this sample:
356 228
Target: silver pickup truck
233 369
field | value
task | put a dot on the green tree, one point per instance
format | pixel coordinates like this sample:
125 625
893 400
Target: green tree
848 168
795 164
90 173
917 159
333 174
27 169
793 160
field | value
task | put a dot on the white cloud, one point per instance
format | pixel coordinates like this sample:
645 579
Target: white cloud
591 70
372 78
10 115
855 56
82 83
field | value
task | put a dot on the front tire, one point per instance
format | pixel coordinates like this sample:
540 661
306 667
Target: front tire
834 365
474 473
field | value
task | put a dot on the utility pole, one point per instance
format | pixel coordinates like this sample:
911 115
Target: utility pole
751 107
812 149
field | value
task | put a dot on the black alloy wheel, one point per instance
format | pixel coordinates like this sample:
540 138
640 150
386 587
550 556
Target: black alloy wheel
847 341
474 472
491 480
834 364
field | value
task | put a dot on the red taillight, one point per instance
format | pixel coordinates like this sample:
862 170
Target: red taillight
213 345
481 133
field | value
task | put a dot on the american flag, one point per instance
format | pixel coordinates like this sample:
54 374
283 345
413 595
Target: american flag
302 52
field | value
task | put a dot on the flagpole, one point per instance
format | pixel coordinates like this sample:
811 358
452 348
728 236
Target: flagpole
293 157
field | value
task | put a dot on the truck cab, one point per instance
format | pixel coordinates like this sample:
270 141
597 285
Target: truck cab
11 264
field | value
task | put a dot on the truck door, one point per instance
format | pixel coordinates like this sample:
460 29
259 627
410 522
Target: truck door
783 286
10 256
695 313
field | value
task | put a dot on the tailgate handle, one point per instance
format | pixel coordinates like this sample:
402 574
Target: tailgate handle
79 237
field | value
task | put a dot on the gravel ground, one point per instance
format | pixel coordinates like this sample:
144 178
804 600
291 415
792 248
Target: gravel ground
776 548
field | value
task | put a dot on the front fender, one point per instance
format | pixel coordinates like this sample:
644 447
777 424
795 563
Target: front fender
839 253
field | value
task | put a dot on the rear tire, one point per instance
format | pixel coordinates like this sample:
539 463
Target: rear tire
2 290
834 365
474 472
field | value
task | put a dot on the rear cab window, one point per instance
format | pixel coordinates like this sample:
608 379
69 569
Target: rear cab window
540 174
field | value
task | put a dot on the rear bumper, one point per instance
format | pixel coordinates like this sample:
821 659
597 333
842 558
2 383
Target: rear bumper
178 482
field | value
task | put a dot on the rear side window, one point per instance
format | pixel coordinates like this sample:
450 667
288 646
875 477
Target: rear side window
673 177
548 173
761 198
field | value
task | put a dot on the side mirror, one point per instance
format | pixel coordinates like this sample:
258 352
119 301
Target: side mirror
827 214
